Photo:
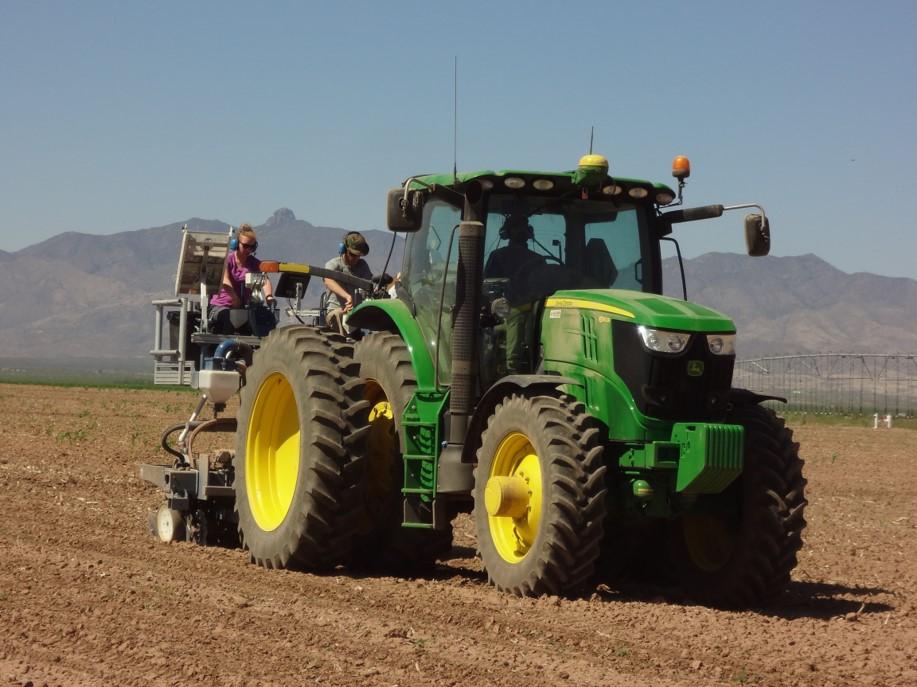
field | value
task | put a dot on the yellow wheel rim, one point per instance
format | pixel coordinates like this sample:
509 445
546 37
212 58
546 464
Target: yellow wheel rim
272 452
709 542
381 445
514 535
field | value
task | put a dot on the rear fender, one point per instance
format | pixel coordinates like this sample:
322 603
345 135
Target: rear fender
393 315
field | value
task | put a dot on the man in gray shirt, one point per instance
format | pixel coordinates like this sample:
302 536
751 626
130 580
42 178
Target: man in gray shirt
350 261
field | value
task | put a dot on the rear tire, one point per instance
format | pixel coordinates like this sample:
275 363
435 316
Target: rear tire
545 542
739 548
390 382
297 464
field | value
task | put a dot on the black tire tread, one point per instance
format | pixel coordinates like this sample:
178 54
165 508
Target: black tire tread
565 557
322 534
386 545
774 506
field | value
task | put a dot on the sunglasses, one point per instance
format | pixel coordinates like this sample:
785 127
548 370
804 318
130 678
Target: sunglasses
248 246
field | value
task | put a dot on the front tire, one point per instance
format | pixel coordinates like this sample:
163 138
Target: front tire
539 495
739 547
297 461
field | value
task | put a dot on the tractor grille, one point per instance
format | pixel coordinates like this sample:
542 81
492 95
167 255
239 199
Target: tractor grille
660 383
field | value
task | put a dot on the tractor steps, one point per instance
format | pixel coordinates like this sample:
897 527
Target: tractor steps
422 428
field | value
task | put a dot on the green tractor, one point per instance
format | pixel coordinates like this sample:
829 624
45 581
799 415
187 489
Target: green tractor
528 370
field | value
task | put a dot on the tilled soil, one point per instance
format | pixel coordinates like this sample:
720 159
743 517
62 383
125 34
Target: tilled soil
87 597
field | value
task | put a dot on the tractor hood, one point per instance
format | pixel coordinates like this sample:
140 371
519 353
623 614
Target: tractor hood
646 309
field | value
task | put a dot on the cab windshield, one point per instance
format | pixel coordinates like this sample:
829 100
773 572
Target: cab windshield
544 245
533 247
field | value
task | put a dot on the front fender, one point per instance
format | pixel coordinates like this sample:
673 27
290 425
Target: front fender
393 315
500 390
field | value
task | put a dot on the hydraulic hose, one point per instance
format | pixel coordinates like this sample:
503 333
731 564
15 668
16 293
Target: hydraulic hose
220 424
164 441
232 349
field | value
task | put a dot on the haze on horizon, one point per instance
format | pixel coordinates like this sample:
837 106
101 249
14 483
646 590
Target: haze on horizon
121 116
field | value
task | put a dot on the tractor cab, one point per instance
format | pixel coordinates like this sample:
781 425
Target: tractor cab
543 233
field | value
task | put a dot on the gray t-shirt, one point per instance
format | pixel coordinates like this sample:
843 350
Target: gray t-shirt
360 269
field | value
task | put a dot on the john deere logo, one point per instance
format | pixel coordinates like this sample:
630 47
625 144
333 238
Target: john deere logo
695 368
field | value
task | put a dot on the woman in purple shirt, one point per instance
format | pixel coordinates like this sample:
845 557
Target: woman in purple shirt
233 293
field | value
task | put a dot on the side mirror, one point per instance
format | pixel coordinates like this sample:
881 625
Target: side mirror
757 235
404 216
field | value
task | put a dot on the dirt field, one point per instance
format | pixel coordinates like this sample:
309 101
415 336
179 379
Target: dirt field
87 597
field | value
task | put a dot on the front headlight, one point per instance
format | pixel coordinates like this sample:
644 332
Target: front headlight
663 341
722 344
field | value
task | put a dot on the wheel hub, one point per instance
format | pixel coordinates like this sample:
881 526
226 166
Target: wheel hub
513 497
709 541
507 497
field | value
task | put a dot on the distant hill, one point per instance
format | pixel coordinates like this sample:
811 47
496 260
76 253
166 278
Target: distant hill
81 295
802 304
84 296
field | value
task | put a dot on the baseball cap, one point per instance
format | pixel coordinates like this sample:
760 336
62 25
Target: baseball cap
356 244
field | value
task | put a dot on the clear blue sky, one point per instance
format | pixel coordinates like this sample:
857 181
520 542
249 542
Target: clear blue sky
125 115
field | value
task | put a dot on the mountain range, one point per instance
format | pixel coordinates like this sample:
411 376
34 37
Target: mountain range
801 304
78 295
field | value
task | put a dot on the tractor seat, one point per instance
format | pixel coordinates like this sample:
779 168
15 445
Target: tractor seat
238 318
254 321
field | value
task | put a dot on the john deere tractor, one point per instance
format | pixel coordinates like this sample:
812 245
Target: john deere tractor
527 369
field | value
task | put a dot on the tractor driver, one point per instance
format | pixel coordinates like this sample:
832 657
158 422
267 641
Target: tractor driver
507 263
350 261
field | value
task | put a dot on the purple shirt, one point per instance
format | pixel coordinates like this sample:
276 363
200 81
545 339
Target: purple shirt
237 274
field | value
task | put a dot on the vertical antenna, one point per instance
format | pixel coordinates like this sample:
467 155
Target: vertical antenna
455 119
591 134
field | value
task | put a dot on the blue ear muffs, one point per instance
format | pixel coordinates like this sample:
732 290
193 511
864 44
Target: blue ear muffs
341 248
234 244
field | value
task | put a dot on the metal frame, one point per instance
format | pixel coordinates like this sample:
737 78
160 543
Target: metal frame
199 273
861 383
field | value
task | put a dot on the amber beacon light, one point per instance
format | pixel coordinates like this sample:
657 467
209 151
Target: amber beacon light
681 167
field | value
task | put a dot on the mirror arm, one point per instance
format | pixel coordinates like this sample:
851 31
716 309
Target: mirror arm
745 205
407 188
438 190
692 214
